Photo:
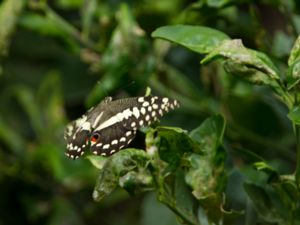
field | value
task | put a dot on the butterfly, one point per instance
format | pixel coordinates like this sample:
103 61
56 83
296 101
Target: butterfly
112 124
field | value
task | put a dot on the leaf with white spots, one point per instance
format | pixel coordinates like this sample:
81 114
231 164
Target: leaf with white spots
131 163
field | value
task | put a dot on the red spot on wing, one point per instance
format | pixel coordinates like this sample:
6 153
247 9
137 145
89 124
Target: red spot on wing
95 138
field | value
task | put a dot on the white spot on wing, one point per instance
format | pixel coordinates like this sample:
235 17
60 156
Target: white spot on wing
86 126
165 100
127 113
143 110
106 146
114 142
145 104
136 112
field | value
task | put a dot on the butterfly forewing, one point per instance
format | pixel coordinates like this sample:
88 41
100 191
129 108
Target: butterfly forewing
111 125
77 134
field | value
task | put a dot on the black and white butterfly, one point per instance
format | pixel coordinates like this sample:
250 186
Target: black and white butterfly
111 125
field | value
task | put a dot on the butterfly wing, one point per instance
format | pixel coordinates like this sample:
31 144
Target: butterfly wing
77 134
111 139
111 125
126 116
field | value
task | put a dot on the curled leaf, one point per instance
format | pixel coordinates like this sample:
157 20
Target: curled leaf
254 66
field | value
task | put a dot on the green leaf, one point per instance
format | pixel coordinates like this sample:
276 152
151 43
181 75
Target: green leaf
293 75
172 143
12 139
167 145
135 182
294 115
295 52
9 15
252 65
293 72
88 13
218 3
276 198
174 193
288 192
206 174
118 61
262 203
28 101
50 101
69 4
126 168
97 161
52 24
196 38
209 134
40 24
272 173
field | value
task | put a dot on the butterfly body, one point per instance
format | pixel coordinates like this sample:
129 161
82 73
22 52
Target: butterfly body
111 125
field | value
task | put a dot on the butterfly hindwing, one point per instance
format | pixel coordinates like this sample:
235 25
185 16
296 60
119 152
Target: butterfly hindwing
110 140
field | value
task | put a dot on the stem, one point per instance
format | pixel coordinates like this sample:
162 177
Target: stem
167 200
64 25
283 94
67 27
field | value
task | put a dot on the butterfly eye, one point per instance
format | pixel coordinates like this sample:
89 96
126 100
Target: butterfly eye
95 137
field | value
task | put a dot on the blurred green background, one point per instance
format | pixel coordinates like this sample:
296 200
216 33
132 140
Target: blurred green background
59 57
